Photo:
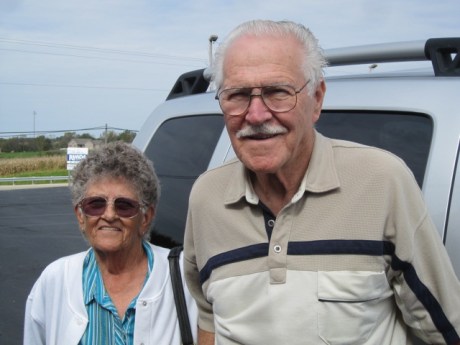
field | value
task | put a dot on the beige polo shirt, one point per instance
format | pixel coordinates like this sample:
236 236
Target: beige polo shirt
353 258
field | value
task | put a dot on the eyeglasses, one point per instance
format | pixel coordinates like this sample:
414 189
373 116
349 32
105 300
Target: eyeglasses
277 98
95 206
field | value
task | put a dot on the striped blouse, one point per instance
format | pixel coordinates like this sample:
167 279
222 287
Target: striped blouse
104 324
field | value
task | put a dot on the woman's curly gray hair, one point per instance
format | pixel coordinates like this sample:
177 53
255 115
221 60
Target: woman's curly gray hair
314 60
118 160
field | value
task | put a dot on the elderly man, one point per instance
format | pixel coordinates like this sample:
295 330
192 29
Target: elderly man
305 239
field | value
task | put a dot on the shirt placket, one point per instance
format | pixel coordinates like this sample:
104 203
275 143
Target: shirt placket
278 233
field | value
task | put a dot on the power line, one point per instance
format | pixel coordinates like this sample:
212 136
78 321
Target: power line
99 50
95 57
56 131
13 134
82 86
96 50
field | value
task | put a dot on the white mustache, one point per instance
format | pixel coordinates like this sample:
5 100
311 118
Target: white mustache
263 129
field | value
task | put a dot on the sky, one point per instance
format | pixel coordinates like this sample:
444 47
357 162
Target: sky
79 66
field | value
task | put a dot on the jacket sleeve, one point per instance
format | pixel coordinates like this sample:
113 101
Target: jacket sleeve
426 288
34 327
191 273
55 310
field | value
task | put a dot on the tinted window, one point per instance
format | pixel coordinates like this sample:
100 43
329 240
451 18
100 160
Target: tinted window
180 150
407 135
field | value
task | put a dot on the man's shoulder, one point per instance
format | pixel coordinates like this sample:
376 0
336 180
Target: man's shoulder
230 169
366 159
356 150
215 183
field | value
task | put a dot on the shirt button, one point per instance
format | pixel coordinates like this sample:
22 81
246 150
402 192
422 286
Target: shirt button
277 248
271 223
144 303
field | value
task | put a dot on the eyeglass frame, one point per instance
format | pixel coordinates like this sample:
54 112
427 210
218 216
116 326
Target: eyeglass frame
138 206
250 96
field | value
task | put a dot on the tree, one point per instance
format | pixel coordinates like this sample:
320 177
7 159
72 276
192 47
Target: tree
127 136
19 144
109 136
62 142
42 143
85 136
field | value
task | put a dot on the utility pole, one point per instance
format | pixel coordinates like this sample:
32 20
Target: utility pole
212 39
106 133
35 113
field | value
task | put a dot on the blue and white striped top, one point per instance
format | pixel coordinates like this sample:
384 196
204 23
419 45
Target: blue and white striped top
104 323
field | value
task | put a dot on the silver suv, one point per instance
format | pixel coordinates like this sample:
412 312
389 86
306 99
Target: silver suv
414 114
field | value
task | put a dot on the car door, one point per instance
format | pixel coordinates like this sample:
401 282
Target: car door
452 238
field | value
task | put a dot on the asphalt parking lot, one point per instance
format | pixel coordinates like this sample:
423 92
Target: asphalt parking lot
37 226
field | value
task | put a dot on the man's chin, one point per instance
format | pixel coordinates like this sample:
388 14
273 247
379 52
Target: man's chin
262 165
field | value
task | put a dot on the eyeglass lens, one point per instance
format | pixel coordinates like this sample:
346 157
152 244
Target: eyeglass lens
276 98
96 206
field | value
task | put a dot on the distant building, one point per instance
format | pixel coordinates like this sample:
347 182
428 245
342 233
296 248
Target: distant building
88 143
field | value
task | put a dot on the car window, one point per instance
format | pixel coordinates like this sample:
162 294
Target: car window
180 150
408 135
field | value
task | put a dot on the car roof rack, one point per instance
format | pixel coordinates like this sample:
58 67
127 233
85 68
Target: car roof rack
189 83
444 54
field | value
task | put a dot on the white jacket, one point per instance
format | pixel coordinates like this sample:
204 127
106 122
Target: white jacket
56 313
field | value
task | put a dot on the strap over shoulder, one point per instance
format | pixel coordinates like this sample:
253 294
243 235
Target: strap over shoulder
179 297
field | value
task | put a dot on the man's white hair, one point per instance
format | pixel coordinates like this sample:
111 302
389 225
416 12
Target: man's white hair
314 60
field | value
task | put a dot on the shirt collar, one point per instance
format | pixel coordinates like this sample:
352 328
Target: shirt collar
93 286
321 176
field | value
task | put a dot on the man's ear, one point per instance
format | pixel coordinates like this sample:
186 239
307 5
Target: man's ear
319 98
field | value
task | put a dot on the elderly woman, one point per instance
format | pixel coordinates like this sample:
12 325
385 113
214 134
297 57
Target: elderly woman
119 291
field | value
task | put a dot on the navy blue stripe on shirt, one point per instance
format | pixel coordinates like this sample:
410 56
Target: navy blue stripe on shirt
346 247
323 247
425 297
336 247
241 254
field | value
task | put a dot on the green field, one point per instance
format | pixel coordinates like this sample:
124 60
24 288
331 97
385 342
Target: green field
30 154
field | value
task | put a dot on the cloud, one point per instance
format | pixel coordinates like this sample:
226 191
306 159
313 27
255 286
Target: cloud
85 63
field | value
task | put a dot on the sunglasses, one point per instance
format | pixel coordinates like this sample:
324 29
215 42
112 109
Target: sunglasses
95 206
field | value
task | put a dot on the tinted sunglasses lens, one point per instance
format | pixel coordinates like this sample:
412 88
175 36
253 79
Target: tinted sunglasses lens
126 207
93 206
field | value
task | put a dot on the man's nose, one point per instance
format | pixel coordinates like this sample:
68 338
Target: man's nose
257 111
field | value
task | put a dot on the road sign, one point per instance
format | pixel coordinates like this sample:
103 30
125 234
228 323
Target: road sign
75 155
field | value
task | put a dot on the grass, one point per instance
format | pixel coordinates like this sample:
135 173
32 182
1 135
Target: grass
58 172
30 154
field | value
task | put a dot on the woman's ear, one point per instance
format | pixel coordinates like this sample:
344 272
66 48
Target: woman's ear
147 219
80 216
